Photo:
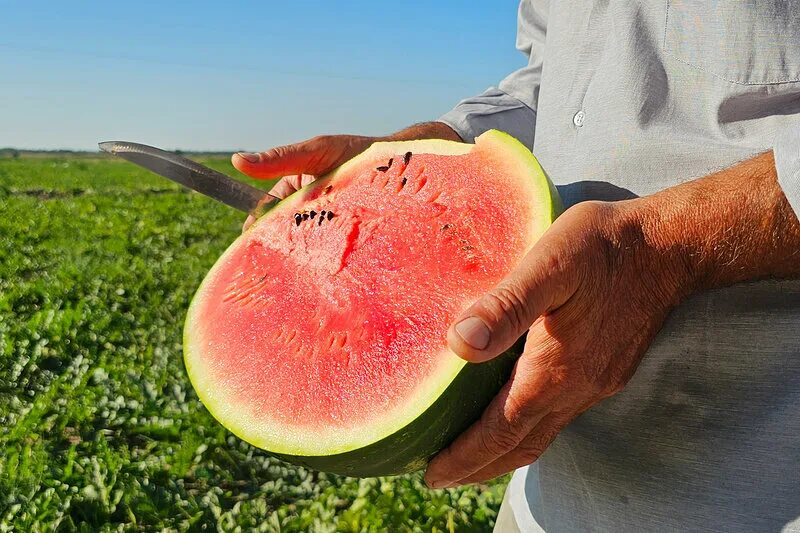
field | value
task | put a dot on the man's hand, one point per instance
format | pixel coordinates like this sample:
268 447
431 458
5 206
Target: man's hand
593 293
301 163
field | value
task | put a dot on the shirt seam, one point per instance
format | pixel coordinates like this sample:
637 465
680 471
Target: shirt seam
718 76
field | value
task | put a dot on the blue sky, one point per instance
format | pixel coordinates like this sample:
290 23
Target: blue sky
231 75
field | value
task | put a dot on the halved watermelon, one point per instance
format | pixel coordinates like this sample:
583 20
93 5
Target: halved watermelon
320 334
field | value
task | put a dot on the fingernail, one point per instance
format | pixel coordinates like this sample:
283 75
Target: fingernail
474 332
252 158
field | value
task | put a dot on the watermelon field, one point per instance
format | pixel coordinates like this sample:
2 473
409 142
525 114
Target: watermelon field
100 429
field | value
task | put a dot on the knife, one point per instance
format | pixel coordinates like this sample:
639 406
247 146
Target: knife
193 175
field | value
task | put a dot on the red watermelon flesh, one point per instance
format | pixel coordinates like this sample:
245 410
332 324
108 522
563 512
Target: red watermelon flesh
322 329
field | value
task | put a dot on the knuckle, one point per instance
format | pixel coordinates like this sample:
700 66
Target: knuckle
318 142
535 445
356 144
498 441
501 433
321 153
514 411
592 209
553 262
295 182
506 302
278 152
327 143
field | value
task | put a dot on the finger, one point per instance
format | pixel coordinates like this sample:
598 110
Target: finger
290 184
304 157
511 415
527 452
248 222
286 186
314 156
541 282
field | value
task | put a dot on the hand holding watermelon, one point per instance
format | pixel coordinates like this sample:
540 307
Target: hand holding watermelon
592 294
374 269
300 163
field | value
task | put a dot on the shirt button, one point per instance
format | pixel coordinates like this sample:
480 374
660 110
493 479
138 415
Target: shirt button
579 118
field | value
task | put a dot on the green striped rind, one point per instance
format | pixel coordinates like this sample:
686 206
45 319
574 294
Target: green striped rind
410 448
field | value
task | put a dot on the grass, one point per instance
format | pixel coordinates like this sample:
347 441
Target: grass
99 426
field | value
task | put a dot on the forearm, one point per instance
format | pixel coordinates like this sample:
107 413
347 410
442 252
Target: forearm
732 226
425 130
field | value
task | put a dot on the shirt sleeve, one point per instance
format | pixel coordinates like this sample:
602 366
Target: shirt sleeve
511 106
787 163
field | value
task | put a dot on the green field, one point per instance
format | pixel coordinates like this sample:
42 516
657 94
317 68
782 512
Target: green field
99 426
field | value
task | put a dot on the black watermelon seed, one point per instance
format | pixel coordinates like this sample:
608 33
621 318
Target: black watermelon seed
319 222
407 158
328 189
305 216
313 214
403 182
297 218
330 215
382 169
322 214
389 164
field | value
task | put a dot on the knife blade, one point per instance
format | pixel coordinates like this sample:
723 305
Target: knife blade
193 175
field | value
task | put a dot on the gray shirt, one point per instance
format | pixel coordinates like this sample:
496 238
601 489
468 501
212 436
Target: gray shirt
623 98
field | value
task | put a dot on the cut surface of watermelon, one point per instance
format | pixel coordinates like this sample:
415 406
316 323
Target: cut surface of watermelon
321 331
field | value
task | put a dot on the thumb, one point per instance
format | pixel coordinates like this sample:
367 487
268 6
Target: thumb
494 323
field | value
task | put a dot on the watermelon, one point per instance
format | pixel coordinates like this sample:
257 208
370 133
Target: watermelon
320 334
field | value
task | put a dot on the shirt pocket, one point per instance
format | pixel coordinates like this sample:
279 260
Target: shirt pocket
750 42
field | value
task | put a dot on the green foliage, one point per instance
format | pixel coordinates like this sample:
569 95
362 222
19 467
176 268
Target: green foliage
99 427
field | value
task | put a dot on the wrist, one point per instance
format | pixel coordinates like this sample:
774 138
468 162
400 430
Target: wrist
728 227
665 260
